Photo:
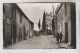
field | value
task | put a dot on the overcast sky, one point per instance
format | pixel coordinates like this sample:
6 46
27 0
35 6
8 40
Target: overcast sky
34 11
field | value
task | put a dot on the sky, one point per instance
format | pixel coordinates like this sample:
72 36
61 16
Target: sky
34 11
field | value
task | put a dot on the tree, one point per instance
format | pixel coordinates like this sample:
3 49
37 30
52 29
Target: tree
39 23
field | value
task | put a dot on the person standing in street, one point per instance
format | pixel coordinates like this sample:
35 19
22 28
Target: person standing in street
61 37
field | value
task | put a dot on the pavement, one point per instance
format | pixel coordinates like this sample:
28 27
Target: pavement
39 42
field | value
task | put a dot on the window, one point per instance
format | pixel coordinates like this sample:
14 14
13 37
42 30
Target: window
20 18
65 9
13 11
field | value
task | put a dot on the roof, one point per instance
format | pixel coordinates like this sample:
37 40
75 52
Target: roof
58 8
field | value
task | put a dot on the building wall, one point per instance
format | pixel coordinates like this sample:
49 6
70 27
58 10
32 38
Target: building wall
66 22
68 18
27 32
7 24
31 30
61 20
16 25
73 26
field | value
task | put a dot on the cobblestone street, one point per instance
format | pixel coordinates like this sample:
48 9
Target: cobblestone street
43 42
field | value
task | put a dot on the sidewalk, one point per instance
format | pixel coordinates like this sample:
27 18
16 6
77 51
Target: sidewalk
61 45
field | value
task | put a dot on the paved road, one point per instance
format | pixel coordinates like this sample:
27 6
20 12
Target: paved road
43 42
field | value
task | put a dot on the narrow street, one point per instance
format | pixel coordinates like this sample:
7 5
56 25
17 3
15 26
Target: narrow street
39 26
43 42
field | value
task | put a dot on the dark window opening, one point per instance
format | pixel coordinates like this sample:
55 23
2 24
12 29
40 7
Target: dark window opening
65 9
20 18
20 33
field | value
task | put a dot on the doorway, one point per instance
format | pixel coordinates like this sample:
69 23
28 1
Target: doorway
66 32
24 34
13 33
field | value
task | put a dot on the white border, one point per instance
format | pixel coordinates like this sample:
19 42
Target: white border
40 50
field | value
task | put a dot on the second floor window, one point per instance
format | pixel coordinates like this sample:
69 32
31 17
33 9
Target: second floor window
20 18
65 9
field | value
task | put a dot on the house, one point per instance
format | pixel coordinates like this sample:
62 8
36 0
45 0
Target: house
66 22
16 25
